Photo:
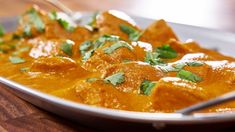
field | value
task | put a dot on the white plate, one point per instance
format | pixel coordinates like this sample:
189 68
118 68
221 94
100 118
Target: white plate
86 114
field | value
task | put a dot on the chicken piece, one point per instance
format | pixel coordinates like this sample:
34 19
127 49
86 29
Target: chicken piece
194 47
109 23
158 33
99 93
49 64
55 30
134 74
100 60
171 94
42 47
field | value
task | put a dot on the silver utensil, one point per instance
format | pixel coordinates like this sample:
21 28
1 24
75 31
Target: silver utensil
218 100
75 16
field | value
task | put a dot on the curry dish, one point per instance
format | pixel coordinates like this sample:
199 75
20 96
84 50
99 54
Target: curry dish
110 62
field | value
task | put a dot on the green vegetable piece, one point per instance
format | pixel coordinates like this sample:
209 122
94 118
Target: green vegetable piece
52 15
2 30
132 33
19 51
92 22
146 87
91 79
115 79
194 63
16 60
27 30
166 52
85 46
36 20
117 45
67 47
187 75
152 58
66 25
24 69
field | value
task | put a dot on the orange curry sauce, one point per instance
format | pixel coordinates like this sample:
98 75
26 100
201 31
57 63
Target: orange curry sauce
113 63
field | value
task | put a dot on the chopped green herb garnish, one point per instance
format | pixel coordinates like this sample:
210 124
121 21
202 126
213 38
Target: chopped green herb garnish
16 60
166 52
24 69
16 36
87 55
19 51
88 48
52 15
92 22
146 87
2 31
117 45
101 40
132 33
91 79
194 63
168 68
115 79
27 30
36 20
67 47
187 75
153 58
66 25
85 46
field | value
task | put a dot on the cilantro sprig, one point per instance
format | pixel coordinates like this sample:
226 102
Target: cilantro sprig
67 47
132 33
117 45
156 57
16 60
115 79
87 48
146 87
187 75
166 52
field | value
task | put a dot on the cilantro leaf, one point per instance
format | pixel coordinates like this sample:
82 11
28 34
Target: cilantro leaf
87 48
92 22
166 52
2 31
146 87
187 75
16 60
87 55
52 15
85 45
115 79
152 58
117 45
24 69
36 20
132 33
65 25
194 63
91 79
67 46
27 30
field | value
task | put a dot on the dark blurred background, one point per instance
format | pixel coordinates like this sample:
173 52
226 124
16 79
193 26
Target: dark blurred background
218 14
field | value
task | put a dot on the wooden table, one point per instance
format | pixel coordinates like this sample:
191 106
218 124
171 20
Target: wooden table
19 115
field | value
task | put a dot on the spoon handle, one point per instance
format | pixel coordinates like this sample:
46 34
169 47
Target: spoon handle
61 6
218 100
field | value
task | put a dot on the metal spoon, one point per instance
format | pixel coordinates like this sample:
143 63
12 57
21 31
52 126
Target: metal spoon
218 100
75 16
